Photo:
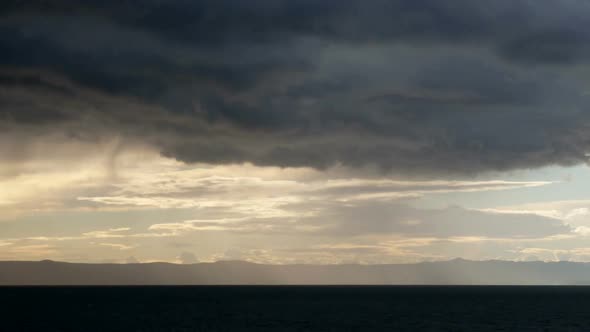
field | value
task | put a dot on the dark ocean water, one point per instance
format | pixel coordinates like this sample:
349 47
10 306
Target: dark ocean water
295 308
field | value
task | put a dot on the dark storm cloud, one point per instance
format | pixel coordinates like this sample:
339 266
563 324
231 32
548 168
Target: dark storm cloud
550 26
423 87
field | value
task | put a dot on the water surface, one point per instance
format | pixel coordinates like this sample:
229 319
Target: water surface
295 308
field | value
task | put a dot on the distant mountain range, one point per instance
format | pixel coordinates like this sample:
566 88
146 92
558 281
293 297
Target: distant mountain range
454 272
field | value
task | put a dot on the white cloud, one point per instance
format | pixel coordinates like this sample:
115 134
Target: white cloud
110 233
119 246
187 258
573 212
30 251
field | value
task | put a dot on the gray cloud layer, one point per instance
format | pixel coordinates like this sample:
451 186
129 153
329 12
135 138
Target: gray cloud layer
384 218
424 87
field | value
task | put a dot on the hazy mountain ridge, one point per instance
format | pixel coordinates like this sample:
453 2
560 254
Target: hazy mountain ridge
454 272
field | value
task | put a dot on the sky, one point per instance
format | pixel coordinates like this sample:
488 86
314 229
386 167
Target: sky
294 131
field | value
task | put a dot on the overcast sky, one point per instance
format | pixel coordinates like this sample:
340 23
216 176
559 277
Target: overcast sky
294 131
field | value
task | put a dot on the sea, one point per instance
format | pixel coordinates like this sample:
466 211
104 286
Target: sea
295 308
